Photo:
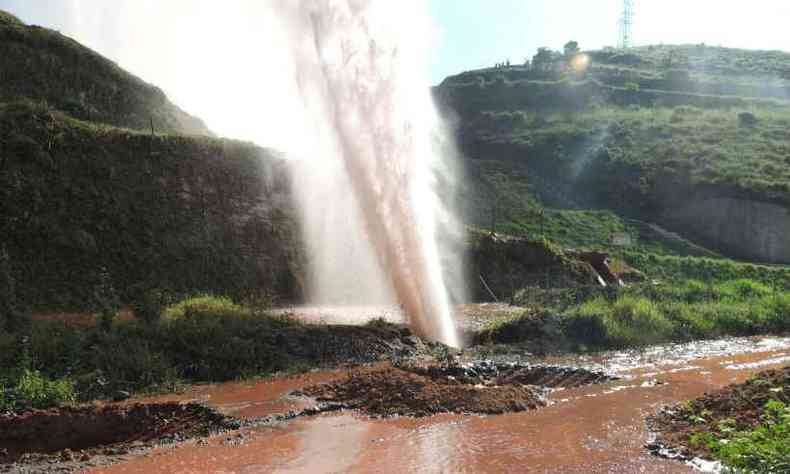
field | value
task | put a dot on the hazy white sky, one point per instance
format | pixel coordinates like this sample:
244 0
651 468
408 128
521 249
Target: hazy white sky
196 48
476 33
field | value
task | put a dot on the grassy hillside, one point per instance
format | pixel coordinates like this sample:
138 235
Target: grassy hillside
86 208
643 132
43 65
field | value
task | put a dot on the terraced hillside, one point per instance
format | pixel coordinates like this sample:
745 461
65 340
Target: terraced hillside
694 138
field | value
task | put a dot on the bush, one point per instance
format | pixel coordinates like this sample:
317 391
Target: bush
747 119
629 321
631 86
741 289
636 321
205 306
779 311
148 305
127 358
689 323
37 391
585 329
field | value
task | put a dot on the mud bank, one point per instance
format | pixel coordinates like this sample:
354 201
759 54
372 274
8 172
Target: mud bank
70 438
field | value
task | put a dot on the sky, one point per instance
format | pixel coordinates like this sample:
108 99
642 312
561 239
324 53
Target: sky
476 33
191 48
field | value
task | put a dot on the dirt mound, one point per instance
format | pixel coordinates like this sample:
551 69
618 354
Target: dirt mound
393 391
489 373
740 404
476 388
82 432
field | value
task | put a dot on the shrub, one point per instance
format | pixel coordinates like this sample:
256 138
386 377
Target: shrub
779 311
127 358
689 323
586 327
628 321
205 306
737 318
38 391
631 87
741 289
148 305
636 321
106 300
747 119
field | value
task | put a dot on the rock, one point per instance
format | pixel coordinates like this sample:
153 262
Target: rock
121 395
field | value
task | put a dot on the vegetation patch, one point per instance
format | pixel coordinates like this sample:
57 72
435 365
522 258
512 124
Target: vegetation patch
204 339
92 213
44 65
746 426
641 314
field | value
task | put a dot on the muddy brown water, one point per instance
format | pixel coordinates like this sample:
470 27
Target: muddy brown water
593 429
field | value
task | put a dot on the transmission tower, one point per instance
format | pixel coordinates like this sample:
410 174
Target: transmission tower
626 24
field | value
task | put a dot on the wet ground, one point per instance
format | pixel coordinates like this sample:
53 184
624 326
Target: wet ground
590 429
468 317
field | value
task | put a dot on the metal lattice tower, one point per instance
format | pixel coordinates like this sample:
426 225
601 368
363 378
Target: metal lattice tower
626 24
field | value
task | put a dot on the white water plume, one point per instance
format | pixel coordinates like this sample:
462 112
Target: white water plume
370 187
341 86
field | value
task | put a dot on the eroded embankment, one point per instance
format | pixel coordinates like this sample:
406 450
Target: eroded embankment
69 436
735 408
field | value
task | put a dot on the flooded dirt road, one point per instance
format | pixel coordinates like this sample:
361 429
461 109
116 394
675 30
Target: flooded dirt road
593 429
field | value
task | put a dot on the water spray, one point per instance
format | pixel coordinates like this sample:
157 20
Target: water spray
377 139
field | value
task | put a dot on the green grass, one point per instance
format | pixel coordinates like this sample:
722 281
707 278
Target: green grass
21 387
626 322
672 270
646 314
206 306
764 449
632 151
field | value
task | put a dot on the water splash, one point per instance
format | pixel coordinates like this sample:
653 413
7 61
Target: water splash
372 217
341 86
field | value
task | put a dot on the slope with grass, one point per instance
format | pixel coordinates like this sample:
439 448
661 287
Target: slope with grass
92 212
700 146
43 65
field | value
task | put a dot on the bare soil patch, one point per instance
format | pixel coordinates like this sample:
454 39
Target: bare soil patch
741 405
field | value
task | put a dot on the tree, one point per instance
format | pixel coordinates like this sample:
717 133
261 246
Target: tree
543 60
571 49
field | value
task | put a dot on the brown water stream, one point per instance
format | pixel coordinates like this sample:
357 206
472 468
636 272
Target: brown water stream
594 429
